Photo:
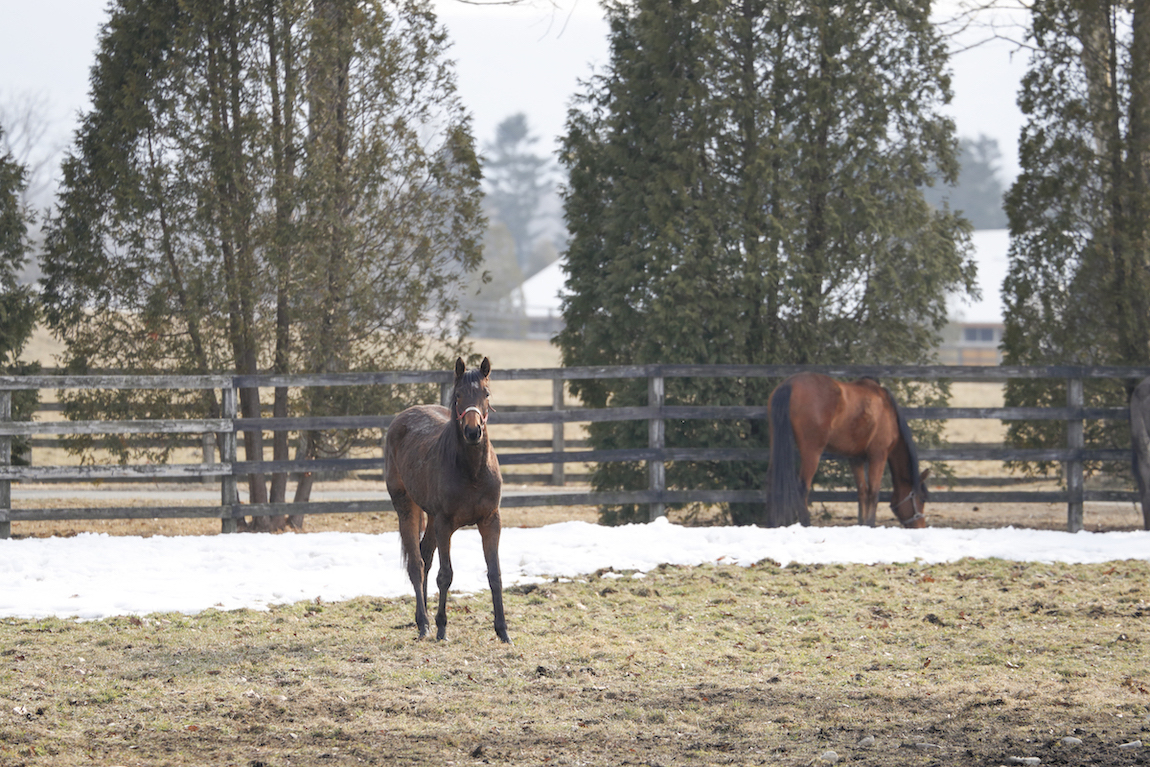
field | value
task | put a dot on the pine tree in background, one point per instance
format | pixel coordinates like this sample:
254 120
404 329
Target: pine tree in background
493 296
977 195
1078 287
744 188
517 182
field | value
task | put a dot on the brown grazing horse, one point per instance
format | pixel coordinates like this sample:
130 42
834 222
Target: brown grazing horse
440 463
860 421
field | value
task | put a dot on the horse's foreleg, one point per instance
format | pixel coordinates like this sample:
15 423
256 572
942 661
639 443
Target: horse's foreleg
489 533
426 550
873 483
859 469
410 522
442 532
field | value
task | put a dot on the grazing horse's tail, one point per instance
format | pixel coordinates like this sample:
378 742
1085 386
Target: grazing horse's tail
786 496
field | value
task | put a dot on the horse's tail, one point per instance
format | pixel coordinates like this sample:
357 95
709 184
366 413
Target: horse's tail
786 496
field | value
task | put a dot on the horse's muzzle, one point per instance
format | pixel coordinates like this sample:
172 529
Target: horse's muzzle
472 420
472 435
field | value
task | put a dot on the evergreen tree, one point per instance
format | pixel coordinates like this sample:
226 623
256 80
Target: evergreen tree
17 305
493 296
501 275
18 308
978 194
744 188
1078 287
273 186
517 182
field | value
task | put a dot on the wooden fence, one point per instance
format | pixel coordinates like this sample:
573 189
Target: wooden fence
229 470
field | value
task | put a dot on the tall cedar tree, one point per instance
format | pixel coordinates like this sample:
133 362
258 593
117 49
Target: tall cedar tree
1078 286
17 305
18 308
264 186
744 188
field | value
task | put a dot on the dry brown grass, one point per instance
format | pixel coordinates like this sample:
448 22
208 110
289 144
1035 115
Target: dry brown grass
972 663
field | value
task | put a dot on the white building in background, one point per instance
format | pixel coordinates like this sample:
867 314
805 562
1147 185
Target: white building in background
542 301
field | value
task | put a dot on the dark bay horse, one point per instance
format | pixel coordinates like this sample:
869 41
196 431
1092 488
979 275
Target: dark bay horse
440 463
858 420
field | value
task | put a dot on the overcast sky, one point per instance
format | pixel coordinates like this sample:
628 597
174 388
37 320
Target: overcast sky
510 59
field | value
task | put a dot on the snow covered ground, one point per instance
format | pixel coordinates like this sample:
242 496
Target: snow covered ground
96 576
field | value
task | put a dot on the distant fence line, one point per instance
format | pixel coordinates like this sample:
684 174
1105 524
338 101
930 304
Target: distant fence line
656 413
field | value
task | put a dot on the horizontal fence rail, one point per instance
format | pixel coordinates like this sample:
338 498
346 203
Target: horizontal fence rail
229 470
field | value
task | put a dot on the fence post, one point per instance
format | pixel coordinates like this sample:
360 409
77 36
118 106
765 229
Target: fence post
5 460
208 448
656 437
557 441
229 497
1076 441
445 390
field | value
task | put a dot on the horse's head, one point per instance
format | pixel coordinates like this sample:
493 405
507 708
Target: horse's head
469 400
910 508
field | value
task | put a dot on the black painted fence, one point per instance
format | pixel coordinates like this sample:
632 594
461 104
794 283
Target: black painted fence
228 471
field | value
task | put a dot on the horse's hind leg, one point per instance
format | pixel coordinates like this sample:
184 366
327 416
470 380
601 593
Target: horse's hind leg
489 528
410 524
808 465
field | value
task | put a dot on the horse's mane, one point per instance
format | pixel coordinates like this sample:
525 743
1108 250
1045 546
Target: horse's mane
908 439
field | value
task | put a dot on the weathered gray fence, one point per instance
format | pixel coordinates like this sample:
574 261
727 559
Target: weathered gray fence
229 469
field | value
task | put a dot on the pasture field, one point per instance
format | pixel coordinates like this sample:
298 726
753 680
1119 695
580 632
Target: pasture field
971 663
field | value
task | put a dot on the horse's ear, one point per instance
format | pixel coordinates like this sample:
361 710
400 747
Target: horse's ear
922 477
485 367
460 368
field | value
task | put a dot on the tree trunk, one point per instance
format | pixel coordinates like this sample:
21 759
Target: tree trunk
280 51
